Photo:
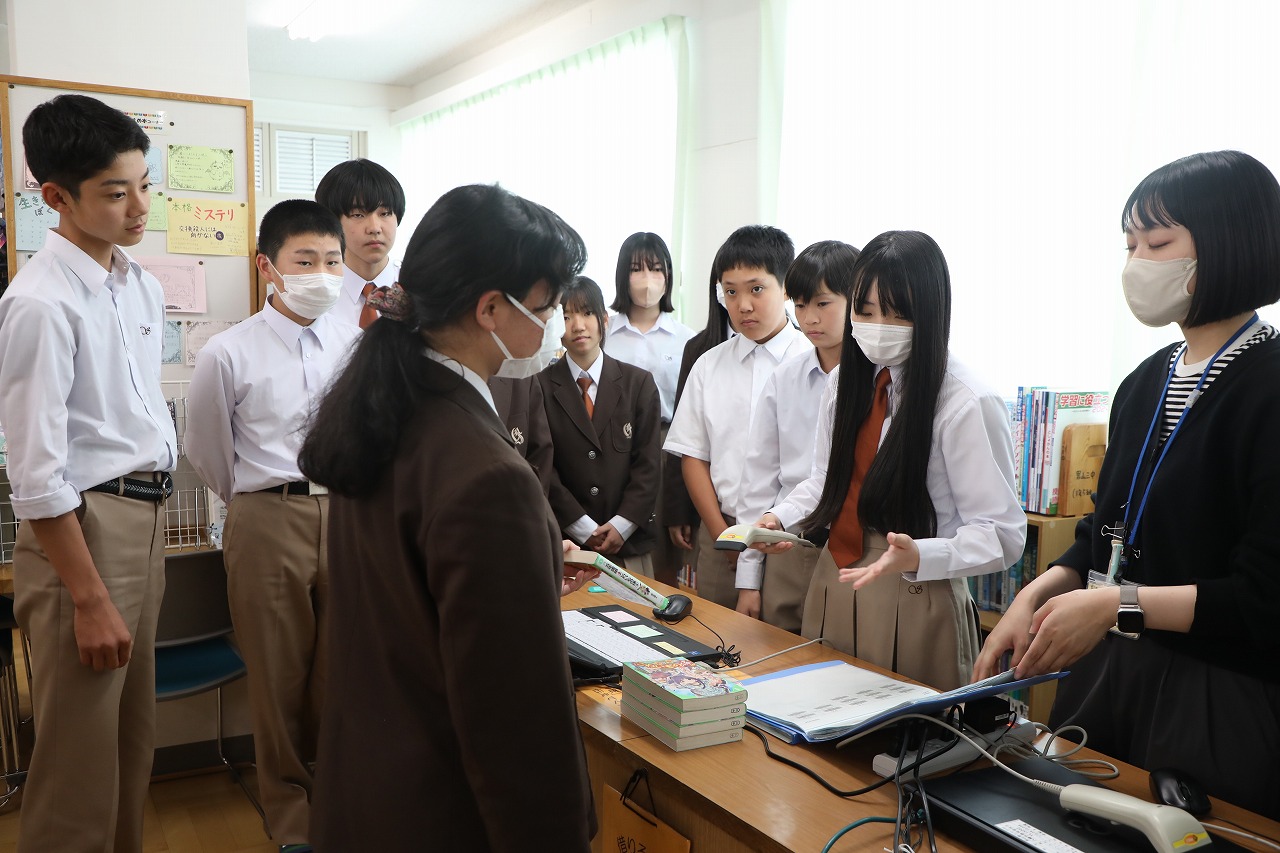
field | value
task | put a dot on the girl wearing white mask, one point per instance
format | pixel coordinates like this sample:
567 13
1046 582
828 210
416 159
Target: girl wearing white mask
1182 551
913 473
439 532
645 332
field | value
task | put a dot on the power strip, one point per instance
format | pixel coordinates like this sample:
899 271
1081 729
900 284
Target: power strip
1021 732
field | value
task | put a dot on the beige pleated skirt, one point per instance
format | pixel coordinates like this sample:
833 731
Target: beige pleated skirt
925 630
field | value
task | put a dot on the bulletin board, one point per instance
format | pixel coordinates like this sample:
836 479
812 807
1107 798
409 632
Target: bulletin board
200 237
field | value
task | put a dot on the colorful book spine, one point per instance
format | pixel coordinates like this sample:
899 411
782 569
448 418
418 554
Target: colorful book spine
651 725
688 722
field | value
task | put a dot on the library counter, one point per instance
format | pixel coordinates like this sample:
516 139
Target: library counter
733 796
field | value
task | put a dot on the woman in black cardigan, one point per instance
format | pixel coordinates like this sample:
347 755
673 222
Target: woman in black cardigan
1183 549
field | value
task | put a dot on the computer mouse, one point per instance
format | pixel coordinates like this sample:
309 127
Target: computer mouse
678 607
1176 788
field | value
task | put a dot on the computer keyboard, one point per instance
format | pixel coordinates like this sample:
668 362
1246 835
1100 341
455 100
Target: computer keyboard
605 640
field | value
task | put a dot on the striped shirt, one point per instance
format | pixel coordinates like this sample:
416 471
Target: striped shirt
1186 376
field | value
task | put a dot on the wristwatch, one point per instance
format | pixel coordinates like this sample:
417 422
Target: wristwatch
1129 618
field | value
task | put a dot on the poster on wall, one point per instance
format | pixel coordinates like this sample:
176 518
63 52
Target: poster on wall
197 167
198 334
32 219
183 282
201 226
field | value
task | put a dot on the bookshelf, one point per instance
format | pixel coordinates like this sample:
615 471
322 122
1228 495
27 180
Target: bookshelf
1052 536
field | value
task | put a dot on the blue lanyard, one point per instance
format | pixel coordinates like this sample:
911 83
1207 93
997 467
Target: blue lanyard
1131 533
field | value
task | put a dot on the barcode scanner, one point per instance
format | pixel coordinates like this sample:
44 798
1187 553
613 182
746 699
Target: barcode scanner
667 608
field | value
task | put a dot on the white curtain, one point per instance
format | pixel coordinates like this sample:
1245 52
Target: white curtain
1012 132
593 137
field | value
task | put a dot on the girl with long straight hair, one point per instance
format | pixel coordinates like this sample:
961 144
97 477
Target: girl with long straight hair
913 474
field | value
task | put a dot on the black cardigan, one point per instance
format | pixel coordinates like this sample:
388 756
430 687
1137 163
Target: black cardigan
1213 516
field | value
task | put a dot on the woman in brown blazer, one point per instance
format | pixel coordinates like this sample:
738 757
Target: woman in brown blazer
604 416
449 711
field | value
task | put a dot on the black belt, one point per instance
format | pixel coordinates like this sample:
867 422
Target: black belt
297 487
154 491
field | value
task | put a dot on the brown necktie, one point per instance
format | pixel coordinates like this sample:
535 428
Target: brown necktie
367 312
846 534
584 382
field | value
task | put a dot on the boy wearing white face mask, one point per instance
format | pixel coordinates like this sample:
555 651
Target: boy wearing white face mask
253 388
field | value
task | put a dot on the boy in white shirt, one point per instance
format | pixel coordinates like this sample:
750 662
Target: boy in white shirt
713 419
254 386
369 202
90 443
780 454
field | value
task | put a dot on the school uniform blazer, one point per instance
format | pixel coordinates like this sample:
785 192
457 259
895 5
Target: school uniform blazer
519 405
608 465
449 711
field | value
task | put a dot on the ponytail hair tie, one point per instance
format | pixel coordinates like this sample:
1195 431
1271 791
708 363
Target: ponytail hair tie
392 303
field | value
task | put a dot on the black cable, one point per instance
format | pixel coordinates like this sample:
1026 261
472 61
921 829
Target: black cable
728 657
924 804
897 780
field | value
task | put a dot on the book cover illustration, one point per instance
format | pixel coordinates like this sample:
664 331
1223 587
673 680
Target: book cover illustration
686 680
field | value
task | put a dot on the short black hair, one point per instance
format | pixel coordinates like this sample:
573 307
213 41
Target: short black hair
827 262
649 248
291 218
1231 205
753 246
583 296
71 138
360 185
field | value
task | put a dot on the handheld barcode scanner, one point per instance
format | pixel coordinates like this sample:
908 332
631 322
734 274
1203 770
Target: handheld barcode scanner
668 608
740 537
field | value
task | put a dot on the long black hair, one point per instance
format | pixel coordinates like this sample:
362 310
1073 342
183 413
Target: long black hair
474 240
647 248
911 279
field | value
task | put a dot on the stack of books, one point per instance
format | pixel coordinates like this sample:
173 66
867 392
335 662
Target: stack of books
683 704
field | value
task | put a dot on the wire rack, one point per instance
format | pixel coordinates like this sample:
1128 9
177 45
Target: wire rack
187 514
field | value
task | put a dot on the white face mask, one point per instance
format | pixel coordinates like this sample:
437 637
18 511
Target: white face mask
882 343
720 296
552 332
309 295
1158 292
647 288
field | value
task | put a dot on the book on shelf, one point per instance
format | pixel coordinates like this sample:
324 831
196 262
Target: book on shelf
1042 417
834 700
665 735
682 684
690 723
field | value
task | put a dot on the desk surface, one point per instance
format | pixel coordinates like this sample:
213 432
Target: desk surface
733 796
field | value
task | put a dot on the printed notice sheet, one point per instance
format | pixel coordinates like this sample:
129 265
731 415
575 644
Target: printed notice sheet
198 334
201 226
195 167
32 218
182 280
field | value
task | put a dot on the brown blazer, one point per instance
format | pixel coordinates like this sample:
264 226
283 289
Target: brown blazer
608 465
519 405
449 712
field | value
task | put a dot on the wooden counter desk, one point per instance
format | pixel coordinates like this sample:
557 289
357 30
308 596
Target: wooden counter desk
734 797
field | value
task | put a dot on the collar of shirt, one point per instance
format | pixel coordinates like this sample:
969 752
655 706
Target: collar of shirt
593 371
353 285
665 324
776 347
85 268
465 372
289 331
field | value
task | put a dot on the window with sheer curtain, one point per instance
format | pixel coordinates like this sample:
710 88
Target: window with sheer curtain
593 137
1013 133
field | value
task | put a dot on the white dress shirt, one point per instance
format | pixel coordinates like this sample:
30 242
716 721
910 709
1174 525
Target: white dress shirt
351 300
658 351
981 526
713 421
473 378
780 452
253 388
80 395
580 531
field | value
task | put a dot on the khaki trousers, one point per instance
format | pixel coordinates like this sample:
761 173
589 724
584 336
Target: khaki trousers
640 565
276 552
95 731
786 585
715 578
925 630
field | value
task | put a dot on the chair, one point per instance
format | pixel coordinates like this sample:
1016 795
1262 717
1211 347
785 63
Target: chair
193 652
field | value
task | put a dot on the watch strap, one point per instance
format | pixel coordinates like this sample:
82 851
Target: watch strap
1129 595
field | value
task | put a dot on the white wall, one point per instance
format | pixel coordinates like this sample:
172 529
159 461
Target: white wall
197 47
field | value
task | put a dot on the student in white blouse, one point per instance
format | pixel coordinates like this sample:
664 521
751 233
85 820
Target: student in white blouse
253 388
780 451
713 421
369 202
932 500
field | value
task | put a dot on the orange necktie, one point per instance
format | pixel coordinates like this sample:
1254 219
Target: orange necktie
367 312
846 534
584 382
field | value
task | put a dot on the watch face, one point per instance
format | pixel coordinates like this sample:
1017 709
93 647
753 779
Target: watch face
1130 621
